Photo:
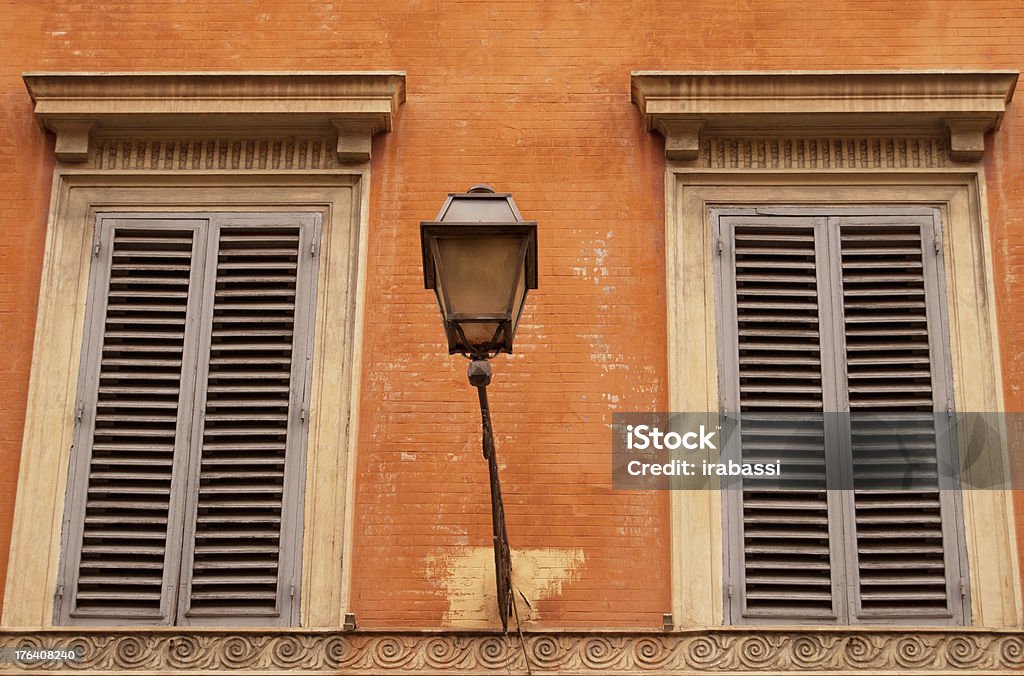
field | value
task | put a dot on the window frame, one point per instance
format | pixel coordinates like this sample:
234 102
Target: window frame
699 586
830 138
339 196
203 141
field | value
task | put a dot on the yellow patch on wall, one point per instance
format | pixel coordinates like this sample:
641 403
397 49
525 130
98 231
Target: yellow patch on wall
468 578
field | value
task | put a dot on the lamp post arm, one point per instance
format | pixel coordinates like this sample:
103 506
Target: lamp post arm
479 374
485 421
480 377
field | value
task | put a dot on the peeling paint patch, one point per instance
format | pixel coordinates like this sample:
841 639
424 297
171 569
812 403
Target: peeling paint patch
467 576
612 399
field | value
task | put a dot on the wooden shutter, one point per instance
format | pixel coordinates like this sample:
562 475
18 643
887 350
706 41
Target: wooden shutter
241 549
185 493
782 541
838 313
126 478
905 554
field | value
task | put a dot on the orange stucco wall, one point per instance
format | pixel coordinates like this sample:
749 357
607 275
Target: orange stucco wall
531 96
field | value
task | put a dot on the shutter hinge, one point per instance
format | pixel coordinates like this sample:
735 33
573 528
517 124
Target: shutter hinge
302 414
730 590
963 587
59 594
312 248
720 247
291 591
96 249
79 412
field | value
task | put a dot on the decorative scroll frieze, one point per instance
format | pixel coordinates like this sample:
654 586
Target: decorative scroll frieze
252 153
699 651
835 152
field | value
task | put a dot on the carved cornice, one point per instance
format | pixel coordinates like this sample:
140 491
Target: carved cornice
961 105
732 649
78 106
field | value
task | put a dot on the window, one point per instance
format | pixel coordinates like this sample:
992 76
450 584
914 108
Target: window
187 475
840 311
201 147
867 142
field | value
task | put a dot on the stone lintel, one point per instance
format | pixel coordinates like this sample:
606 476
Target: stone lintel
685 106
75 105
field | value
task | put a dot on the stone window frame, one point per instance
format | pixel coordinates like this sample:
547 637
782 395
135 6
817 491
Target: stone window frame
202 142
814 139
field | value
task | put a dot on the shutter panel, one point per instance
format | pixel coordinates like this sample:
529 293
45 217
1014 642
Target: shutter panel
894 356
241 555
785 545
843 314
189 456
122 551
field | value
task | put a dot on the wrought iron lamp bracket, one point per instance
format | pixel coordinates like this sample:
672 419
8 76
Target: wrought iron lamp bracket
479 374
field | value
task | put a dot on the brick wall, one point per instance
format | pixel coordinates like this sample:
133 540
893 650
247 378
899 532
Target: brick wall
531 96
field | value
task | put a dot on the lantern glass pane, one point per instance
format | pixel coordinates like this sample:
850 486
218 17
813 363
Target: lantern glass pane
440 301
519 298
479 334
479 273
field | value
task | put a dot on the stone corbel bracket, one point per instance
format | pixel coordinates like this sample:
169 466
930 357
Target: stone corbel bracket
684 106
75 106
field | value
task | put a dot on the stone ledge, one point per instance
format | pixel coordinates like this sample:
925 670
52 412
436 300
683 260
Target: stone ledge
78 105
717 650
964 105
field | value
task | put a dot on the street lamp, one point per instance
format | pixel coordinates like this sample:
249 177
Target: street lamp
480 258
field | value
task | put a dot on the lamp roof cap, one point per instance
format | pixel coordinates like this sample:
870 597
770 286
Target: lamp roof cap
479 204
